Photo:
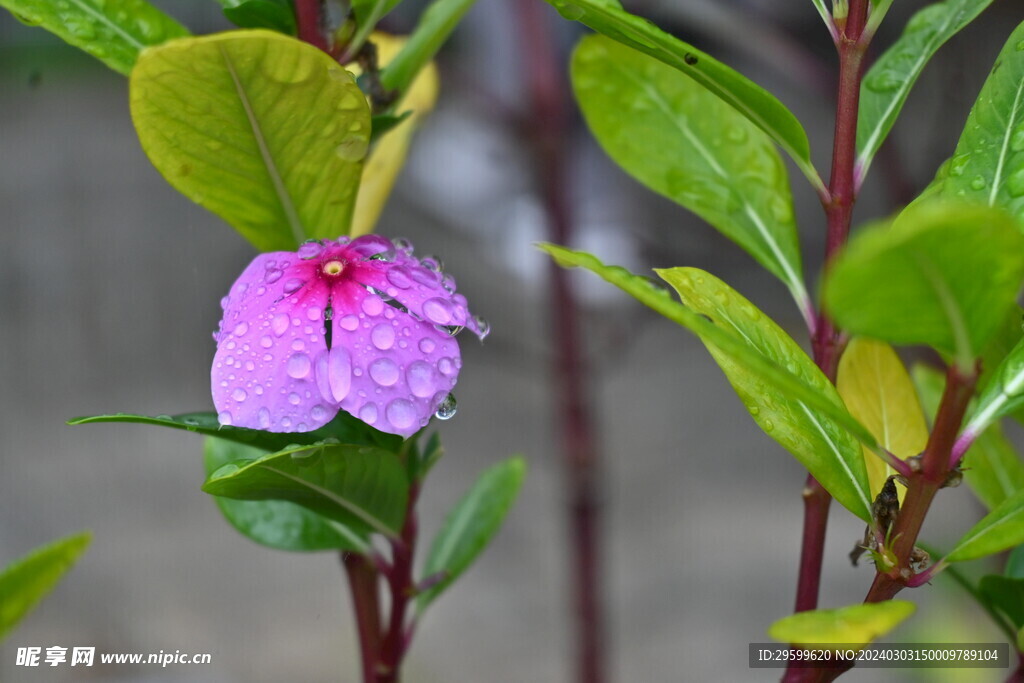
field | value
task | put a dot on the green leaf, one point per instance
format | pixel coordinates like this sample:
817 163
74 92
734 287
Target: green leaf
112 31
264 130
997 531
471 524
1003 394
888 82
362 487
878 391
276 523
776 380
435 25
683 142
1006 595
992 468
945 275
739 92
1015 563
25 582
854 624
276 15
343 429
988 166
372 11
827 450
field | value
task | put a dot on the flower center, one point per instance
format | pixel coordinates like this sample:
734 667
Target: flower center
333 268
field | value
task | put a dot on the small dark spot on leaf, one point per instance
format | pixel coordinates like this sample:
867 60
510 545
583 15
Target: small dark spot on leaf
185 169
690 58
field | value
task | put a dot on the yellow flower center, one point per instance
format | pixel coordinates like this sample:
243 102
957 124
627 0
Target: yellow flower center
334 267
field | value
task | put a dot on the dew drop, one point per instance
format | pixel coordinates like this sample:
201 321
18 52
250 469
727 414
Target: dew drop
399 277
299 366
264 418
240 329
438 311
422 379
294 399
1015 183
310 249
224 417
368 413
427 345
446 366
978 183
279 324
447 409
319 413
293 285
483 327
372 305
272 275
349 322
384 372
401 413
383 336
339 373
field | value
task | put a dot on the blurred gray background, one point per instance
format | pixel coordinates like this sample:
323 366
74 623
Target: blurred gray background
109 289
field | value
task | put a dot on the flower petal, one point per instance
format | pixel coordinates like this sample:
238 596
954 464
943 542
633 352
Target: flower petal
401 368
271 335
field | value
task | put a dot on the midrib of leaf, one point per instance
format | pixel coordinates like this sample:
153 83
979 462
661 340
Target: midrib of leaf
883 406
106 20
268 160
359 512
447 546
1006 144
861 493
793 281
347 534
982 420
949 306
865 158
817 425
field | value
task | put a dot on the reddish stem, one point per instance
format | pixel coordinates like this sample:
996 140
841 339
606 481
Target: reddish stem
362 580
403 588
309 23
549 125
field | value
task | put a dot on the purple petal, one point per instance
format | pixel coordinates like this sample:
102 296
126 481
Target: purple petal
270 340
391 370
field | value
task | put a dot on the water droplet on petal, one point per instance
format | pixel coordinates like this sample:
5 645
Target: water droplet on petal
318 413
422 379
299 366
446 366
448 282
310 249
239 394
383 336
349 322
368 413
427 345
401 413
438 311
294 399
279 324
313 313
384 372
272 275
293 285
399 277
240 329
264 418
224 417
372 305
403 245
432 263
447 409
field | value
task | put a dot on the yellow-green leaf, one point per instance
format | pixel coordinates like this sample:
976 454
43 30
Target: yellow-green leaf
387 156
851 625
878 392
266 131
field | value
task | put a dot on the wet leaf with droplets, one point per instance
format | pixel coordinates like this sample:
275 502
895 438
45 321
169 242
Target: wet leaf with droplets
688 145
821 445
779 382
887 84
113 31
472 523
362 487
746 97
276 524
224 108
988 165
943 275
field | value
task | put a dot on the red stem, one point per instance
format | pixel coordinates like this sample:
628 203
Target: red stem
309 23
827 342
549 126
362 580
403 587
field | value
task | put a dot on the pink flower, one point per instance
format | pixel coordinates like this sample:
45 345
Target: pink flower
361 326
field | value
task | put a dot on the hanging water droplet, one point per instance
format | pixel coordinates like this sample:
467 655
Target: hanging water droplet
403 245
483 327
432 263
447 409
448 282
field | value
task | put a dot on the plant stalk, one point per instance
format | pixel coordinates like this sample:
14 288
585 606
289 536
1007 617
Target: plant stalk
362 580
403 587
549 125
827 342
309 24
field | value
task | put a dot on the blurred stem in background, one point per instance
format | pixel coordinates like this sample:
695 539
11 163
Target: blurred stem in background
547 124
